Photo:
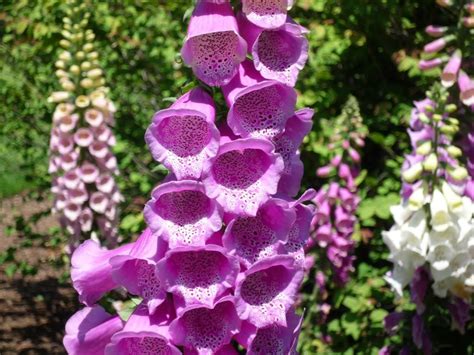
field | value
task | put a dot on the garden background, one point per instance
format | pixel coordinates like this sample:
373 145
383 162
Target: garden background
368 49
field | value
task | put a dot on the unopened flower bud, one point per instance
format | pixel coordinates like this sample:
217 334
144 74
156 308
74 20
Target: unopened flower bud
93 55
65 43
459 173
87 83
454 151
58 96
68 85
453 121
88 47
61 73
424 148
67 20
90 37
85 66
436 31
451 108
94 73
444 3
453 199
65 34
82 101
80 55
468 22
412 173
74 69
417 199
60 64
431 162
423 118
65 55
449 130
450 72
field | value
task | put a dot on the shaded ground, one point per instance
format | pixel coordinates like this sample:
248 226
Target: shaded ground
33 308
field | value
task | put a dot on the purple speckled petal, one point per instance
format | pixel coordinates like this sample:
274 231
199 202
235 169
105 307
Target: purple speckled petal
266 13
184 136
267 290
205 329
243 175
197 275
213 47
182 213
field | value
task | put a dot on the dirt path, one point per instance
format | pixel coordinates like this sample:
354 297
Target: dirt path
33 309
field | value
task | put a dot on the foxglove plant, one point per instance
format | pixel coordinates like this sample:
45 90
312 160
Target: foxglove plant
431 243
223 256
81 160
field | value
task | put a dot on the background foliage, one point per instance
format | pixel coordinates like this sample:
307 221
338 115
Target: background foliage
365 48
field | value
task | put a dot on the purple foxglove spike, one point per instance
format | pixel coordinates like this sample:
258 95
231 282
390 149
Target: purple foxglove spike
436 31
267 13
419 136
430 64
459 310
466 87
197 275
286 144
278 54
139 277
91 272
89 330
324 171
418 287
259 109
354 154
205 329
256 238
391 322
469 190
267 290
320 197
182 213
243 175
450 71
274 339
144 333
213 47
184 136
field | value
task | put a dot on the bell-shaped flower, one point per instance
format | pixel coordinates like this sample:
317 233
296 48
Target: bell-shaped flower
88 172
83 137
197 275
286 144
258 108
68 123
99 149
213 47
440 257
450 71
99 202
273 339
205 329
139 277
89 330
91 272
466 88
268 13
278 54
94 117
184 136
256 238
267 290
243 175
183 213
144 333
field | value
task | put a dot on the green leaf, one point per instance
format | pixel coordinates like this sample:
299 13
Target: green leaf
378 315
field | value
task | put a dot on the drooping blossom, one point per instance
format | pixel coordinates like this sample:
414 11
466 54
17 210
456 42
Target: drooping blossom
267 13
81 160
223 256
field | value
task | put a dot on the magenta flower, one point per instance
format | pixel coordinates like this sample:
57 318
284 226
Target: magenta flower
451 70
274 339
205 329
243 175
144 333
213 47
89 330
257 238
184 136
258 108
183 213
91 271
197 275
278 54
267 290
268 13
